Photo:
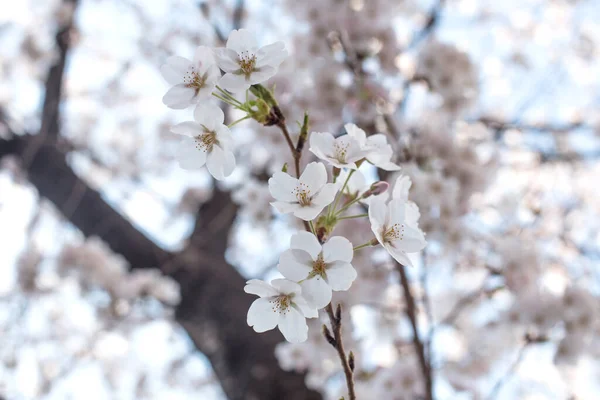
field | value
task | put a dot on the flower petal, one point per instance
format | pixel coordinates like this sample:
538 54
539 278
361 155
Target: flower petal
314 176
174 69
396 212
316 291
204 59
282 187
355 132
377 211
179 97
234 82
307 310
261 74
220 163
187 128
261 316
321 144
188 156
338 248
326 195
340 275
290 268
285 207
242 40
401 188
260 288
286 286
412 240
398 255
272 55
292 325
209 114
306 241
227 59
308 213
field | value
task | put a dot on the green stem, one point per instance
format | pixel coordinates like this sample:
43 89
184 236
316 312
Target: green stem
353 216
228 95
357 199
340 194
227 101
369 243
238 121
312 228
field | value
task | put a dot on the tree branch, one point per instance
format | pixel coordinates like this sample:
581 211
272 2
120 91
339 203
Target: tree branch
411 312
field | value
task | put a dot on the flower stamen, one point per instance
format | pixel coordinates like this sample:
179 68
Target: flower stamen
319 268
302 193
281 304
395 232
206 141
247 62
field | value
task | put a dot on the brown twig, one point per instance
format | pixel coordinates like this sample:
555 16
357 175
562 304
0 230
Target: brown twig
336 341
411 312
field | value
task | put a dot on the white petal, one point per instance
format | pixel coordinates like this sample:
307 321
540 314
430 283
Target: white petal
174 69
412 240
314 176
337 248
286 286
272 55
321 144
326 195
355 132
241 40
204 59
398 255
187 128
306 241
220 163
188 156
285 207
234 83
340 275
308 213
386 166
291 268
377 211
396 212
307 310
261 74
209 114
316 292
261 315
179 97
260 288
282 187
401 188
292 325
227 59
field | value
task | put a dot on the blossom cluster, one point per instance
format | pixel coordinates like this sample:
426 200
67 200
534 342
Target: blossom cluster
316 263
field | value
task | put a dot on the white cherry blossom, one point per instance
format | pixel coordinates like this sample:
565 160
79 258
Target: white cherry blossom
206 141
318 269
390 224
401 188
193 81
377 147
305 197
280 304
342 152
245 63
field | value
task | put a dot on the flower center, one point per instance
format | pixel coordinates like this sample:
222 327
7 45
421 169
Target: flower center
392 233
303 195
281 304
319 268
206 141
340 150
192 79
247 62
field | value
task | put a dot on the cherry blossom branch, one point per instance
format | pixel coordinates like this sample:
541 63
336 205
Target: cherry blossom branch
336 341
411 312
529 340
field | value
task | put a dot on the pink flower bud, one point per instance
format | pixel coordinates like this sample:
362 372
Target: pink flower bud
376 188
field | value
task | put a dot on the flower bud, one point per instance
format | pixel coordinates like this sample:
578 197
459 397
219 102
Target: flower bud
376 189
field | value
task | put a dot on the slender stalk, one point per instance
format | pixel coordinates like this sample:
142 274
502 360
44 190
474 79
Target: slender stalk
228 95
362 246
411 312
312 227
353 216
331 210
238 121
336 326
290 143
344 208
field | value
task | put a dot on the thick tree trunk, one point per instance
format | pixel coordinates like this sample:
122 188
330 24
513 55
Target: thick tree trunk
213 307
